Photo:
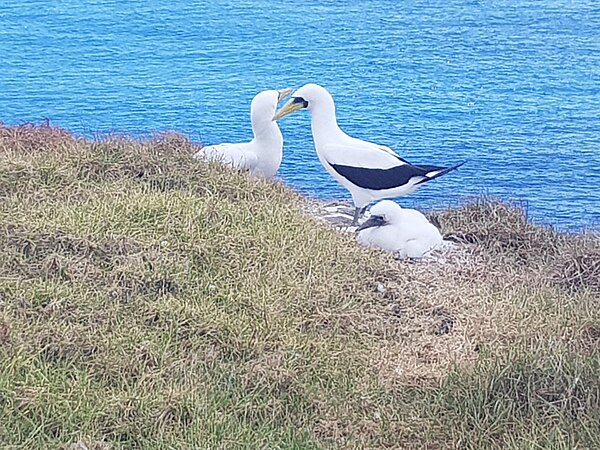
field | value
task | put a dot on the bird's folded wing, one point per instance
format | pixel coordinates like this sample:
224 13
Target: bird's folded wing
391 152
234 155
370 166
357 153
380 179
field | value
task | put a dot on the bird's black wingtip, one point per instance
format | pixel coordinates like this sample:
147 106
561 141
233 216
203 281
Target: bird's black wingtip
443 171
457 165
449 169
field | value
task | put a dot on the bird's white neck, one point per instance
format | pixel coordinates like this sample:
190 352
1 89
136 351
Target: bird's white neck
323 120
266 130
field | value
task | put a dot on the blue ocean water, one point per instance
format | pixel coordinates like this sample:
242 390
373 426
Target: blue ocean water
511 86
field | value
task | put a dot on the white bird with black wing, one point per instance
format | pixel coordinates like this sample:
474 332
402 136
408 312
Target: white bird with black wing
396 229
263 154
369 171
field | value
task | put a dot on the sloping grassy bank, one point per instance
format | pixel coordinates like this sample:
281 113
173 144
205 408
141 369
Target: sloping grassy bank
148 300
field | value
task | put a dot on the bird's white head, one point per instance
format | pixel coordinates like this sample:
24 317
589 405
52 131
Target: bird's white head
265 103
386 212
309 96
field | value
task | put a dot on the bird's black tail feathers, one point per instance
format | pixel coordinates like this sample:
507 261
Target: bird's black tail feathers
443 171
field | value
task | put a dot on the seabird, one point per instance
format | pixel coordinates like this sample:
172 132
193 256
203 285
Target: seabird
262 155
369 171
396 229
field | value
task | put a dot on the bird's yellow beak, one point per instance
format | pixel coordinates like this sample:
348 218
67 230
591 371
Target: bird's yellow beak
283 93
290 107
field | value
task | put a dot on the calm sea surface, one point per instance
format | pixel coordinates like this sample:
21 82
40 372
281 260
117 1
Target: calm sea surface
512 86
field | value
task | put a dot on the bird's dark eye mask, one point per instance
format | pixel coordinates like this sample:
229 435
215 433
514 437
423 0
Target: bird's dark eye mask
377 220
373 221
301 100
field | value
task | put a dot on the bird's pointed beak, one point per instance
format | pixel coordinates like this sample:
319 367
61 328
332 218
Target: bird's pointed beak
373 221
283 93
290 107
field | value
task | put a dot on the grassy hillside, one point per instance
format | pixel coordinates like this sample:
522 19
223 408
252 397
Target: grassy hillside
148 300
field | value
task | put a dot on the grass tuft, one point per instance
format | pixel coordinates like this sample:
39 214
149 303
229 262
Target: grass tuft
579 272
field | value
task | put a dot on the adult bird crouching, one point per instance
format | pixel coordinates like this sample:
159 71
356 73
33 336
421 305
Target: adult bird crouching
369 171
396 229
263 154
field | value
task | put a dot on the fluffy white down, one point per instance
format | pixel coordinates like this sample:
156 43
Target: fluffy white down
406 231
262 156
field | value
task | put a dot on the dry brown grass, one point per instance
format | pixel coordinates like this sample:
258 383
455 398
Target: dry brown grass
148 300
579 272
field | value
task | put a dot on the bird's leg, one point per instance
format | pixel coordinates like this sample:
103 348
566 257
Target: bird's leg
357 212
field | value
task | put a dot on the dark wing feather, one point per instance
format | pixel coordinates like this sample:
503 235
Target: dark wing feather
380 179
442 171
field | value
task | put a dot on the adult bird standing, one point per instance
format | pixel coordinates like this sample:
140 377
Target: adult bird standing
263 154
369 171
